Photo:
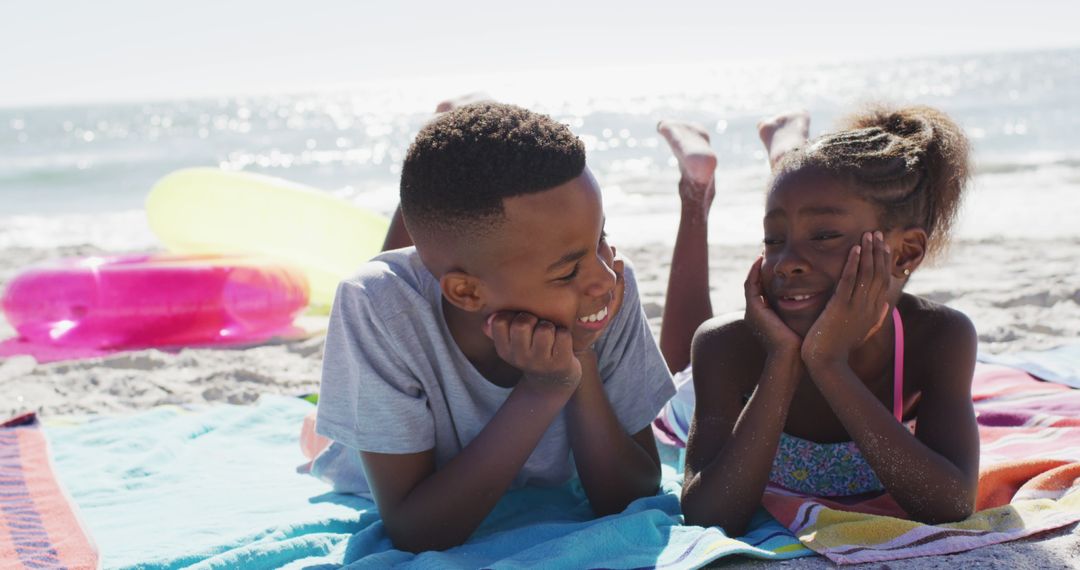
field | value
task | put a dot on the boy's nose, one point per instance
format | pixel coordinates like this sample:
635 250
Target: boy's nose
601 279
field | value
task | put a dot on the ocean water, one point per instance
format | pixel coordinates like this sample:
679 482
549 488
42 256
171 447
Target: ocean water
79 174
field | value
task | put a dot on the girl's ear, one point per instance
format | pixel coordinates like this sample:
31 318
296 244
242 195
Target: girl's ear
910 252
464 291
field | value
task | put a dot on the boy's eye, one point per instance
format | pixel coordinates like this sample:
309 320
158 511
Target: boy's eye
570 276
822 236
772 241
603 236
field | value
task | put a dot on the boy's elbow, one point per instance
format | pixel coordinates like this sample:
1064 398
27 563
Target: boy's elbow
603 507
405 540
415 538
407 544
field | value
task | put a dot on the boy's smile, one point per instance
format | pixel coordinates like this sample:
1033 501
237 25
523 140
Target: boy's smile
811 223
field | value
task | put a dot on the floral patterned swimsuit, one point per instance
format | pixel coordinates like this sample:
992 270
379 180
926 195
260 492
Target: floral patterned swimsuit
836 469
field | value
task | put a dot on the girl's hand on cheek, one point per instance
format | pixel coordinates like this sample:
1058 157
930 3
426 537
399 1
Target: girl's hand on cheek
857 308
777 337
540 349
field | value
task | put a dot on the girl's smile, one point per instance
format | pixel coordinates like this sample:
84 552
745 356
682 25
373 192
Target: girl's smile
796 302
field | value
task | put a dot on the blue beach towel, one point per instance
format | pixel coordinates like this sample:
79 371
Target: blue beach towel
1060 365
218 488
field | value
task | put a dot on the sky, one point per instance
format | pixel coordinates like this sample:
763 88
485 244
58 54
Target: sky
55 52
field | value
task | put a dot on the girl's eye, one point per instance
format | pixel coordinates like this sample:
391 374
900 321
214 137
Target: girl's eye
827 236
603 236
772 241
570 276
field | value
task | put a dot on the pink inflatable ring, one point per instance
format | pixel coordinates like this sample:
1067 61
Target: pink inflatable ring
145 301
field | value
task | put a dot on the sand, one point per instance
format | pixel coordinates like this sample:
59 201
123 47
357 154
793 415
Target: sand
1021 295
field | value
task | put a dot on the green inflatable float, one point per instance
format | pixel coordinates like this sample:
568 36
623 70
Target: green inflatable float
211 211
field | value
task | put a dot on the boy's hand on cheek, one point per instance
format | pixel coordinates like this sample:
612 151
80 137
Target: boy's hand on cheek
857 309
543 351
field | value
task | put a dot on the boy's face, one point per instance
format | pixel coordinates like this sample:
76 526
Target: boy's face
811 224
549 258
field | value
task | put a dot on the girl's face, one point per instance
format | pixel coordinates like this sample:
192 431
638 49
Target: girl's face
811 223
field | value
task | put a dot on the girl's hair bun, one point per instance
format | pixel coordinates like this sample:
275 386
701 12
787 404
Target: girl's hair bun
912 161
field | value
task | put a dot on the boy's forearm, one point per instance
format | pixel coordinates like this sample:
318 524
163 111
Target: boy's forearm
444 509
728 488
614 469
929 486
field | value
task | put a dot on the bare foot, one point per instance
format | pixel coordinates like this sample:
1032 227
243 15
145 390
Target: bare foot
697 161
783 133
461 100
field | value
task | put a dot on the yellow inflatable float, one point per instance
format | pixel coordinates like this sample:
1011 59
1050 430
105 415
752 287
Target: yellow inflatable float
211 211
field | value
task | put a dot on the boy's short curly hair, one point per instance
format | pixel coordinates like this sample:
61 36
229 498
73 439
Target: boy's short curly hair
464 163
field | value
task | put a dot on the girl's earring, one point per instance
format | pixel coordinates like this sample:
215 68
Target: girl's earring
907 272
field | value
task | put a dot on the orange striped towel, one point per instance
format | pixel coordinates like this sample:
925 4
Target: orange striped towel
1030 482
39 526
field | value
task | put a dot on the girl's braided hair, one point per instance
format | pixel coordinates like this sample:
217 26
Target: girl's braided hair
912 162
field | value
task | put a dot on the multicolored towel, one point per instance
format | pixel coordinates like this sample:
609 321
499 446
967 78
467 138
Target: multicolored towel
1029 483
39 526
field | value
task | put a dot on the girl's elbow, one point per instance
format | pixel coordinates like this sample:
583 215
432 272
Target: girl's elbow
730 526
959 509
954 508
696 513
963 504
694 516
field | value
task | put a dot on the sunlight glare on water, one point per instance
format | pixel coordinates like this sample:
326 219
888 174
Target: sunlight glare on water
95 163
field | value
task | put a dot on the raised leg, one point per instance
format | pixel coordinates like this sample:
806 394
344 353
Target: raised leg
687 303
782 133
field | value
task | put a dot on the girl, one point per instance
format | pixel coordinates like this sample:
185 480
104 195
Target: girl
818 387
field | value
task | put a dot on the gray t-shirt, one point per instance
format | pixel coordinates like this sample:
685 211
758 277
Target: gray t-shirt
394 380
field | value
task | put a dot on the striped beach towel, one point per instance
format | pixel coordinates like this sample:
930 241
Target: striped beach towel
1029 482
39 527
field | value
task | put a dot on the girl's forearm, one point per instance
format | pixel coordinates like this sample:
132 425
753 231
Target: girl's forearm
926 484
727 489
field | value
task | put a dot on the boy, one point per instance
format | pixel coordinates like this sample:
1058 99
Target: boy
495 349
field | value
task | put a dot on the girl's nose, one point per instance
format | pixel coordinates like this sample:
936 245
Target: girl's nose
790 262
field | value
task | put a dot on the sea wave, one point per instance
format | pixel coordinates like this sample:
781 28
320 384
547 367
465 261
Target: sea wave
126 230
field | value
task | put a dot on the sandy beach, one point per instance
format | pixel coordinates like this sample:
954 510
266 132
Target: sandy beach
1021 295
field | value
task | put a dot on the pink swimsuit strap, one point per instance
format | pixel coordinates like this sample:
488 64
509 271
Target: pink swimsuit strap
898 367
